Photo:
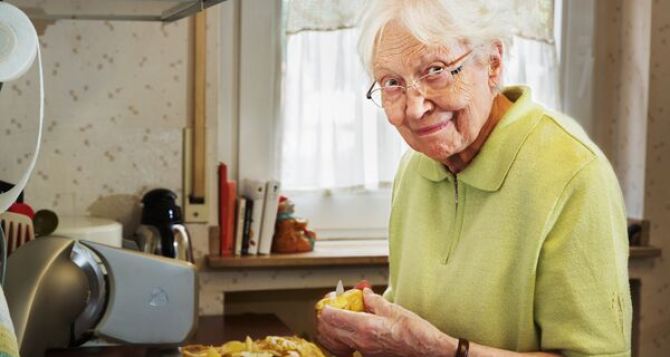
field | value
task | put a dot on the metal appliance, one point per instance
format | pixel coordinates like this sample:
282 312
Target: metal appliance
162 229
63 292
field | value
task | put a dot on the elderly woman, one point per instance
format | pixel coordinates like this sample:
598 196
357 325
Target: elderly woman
507 231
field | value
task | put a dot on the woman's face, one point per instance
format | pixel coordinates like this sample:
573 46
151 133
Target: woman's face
436 122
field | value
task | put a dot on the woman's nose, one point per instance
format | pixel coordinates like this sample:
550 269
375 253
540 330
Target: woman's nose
417 105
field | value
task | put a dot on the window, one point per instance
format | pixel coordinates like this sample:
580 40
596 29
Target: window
338 153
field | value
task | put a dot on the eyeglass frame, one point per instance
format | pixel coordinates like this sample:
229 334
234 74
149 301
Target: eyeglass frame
453 72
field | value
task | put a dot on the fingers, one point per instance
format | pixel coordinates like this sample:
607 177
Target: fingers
340 337
343 319
376 304
327 337
361 331
333 345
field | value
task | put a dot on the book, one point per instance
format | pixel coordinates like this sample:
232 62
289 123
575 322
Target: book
246 228
223 202
231 196
239 227
254 191
269 216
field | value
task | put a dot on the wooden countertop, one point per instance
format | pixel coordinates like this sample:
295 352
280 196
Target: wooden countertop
212 330
644 252
326 253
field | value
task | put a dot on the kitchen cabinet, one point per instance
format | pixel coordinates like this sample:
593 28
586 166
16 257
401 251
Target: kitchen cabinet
138 10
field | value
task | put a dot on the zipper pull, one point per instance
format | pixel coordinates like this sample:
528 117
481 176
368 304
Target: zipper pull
456 189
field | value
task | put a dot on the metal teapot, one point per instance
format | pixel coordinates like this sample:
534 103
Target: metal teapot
162 231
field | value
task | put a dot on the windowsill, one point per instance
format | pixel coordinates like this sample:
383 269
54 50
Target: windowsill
327 253
346 253
644 252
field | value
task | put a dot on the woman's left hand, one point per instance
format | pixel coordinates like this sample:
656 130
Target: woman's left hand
386 329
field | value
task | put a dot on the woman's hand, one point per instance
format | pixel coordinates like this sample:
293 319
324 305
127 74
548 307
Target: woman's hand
385 330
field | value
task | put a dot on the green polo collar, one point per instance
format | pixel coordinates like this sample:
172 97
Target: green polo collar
488 169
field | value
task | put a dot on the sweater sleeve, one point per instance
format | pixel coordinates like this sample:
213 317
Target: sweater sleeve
8 344
582 297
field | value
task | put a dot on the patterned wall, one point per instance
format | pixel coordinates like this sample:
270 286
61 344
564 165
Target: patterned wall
619 120
622 86
116 103
656 314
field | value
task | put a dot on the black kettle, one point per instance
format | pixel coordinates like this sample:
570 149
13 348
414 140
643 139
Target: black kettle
162 229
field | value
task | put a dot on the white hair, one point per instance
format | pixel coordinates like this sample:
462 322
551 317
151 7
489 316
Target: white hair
434 23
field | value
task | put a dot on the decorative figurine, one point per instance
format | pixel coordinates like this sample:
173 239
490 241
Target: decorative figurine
291 233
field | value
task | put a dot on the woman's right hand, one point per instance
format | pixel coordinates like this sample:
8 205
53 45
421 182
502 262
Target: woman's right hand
331 344
324 335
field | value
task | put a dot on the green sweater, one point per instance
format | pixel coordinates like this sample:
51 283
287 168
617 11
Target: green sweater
526 249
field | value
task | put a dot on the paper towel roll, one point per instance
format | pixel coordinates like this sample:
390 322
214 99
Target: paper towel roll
18 42
18 35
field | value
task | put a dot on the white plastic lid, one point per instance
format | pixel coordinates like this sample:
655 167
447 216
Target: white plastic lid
100 230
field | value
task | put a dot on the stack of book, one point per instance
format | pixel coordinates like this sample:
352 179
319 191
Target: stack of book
247 221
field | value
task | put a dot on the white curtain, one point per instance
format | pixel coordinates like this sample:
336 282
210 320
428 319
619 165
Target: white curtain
321 15
332 136
535 64
532 19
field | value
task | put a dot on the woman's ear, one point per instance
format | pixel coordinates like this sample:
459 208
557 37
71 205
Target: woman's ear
495 64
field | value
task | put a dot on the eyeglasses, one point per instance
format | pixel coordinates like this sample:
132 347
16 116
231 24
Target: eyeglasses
435 79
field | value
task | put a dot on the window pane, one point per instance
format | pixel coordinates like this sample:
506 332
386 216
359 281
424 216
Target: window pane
332 136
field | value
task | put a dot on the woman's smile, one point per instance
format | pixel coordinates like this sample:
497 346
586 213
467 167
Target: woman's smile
434 128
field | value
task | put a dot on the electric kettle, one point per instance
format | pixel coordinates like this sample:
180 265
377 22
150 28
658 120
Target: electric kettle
162 230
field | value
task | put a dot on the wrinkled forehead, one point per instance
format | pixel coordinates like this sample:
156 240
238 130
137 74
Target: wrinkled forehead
398 49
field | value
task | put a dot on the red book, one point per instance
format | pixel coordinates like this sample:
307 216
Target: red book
231 208
223 203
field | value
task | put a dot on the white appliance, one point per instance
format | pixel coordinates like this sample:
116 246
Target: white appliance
19 46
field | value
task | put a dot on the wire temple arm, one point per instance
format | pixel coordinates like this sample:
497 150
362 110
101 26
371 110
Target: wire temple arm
3 256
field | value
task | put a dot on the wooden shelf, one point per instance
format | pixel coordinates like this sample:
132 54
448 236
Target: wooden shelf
346 253
325 254
644 252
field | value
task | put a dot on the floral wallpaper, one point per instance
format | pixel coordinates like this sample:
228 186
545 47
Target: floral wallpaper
632 121
118 95
116 103
656 315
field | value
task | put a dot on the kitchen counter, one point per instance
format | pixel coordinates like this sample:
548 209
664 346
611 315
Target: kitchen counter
212 330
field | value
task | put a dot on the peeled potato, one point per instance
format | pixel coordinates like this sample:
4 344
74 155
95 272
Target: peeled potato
349 300
234 347
270 346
